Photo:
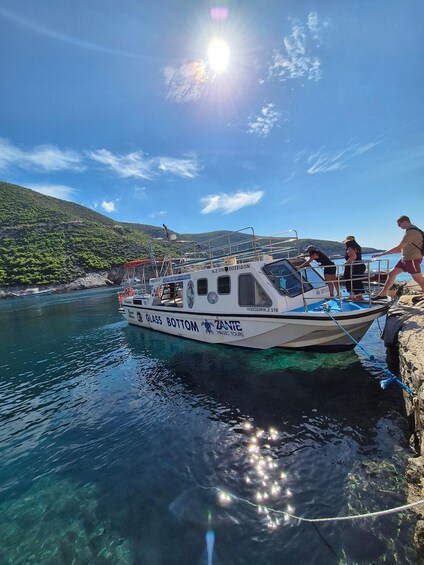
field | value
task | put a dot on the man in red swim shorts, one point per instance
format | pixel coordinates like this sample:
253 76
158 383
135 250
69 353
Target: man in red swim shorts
411 258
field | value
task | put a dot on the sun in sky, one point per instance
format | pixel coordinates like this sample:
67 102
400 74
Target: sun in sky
218 55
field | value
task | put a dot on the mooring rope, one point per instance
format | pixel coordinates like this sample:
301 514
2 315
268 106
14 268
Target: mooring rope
384 383
229 496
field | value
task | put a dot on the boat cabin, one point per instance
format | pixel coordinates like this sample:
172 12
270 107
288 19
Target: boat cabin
274 287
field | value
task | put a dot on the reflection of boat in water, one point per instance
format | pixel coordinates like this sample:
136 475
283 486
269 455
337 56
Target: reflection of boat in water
246 292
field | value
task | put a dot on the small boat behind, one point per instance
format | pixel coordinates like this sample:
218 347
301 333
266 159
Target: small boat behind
32 291
249 291
378 276
130 282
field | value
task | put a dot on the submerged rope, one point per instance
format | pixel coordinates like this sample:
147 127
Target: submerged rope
315 520
384 383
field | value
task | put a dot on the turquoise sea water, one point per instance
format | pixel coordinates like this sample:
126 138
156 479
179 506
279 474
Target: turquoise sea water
114 439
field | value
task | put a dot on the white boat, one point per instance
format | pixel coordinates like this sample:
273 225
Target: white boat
34 290
248 293
130 282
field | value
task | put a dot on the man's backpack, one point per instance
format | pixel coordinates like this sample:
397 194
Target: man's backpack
422 235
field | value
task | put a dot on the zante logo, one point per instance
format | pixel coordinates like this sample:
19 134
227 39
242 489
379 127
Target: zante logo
209 326
139 317
226 325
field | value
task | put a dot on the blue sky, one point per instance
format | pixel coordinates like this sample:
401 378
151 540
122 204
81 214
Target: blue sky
308 116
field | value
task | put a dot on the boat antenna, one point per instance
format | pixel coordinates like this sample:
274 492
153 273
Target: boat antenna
153 258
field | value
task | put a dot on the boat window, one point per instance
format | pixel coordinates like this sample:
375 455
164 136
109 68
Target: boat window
172 295
251 293
286 279
224 286
313 276
202 287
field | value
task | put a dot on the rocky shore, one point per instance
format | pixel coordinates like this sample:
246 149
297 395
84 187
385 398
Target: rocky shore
406 359
89 280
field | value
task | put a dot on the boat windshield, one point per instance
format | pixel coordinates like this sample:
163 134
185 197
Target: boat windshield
286 279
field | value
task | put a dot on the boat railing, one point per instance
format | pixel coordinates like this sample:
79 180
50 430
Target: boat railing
371 280
240 246
281 245
143 290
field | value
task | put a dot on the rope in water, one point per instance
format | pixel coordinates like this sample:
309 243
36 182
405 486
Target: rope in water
332 519
384 383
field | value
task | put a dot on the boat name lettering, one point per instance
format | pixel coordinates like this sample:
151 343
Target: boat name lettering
231 268
232 325
176 278
261 309
153 319
188 325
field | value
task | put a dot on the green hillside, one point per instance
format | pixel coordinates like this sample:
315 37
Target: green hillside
44 240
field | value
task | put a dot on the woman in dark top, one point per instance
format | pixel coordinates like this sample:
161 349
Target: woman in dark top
354 269
328 266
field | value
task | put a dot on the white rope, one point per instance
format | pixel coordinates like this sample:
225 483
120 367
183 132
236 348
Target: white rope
333 519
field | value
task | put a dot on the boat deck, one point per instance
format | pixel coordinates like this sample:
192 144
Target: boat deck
341 305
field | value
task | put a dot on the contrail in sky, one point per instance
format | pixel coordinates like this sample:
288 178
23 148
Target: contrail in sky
65 38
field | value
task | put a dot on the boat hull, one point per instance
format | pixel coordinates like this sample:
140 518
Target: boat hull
318 332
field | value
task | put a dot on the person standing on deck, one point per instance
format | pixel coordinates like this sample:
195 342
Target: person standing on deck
410 262
354 269
327 265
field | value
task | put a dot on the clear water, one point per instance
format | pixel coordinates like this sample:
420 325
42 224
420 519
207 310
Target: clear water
113 440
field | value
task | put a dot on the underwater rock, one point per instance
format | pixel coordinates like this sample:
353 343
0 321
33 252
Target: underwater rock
56 522
372 540
362 545
419 540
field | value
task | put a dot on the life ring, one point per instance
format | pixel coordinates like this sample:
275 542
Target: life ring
129 291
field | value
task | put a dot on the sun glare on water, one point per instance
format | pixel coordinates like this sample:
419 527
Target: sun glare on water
218 55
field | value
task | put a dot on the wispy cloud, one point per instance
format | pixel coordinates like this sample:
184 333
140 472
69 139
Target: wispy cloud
158 214
138 165
187 82
295 60
263 124
56 190
287 200
290 177
324 161
140 192
229 203
134 165
44 158
187 168
316 25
